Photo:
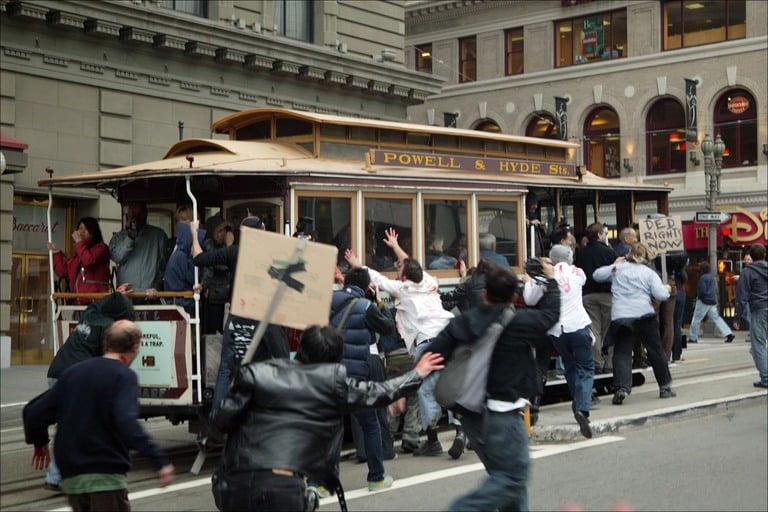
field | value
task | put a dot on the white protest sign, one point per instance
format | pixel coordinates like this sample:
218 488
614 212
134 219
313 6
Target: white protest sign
261 258
663 235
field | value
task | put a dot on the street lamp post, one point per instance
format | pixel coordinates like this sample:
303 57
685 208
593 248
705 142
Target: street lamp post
712 168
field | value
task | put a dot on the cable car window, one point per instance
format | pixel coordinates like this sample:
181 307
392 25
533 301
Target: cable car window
382 213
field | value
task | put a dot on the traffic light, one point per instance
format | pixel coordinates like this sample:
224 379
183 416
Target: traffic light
724 266
726 232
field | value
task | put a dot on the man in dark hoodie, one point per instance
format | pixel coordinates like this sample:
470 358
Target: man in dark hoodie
498 435
179 273
82 344
752 293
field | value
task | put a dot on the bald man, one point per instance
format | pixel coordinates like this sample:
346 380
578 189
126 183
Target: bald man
98 396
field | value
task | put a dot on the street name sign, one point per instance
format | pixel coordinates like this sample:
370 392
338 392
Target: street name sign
712 217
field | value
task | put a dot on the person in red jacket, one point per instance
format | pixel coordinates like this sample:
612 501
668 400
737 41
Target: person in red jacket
87 269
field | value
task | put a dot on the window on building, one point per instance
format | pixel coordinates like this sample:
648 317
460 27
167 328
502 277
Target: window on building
665 137
515 51
542 125
468 59
591 38
196 7
601 142
381 213
487 125
693 23
735 119
423 60
293 19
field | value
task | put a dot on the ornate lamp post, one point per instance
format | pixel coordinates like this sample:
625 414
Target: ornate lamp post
712 168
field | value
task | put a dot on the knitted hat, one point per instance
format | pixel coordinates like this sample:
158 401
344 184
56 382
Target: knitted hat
560 253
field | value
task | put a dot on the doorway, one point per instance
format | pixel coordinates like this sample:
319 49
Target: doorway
30 330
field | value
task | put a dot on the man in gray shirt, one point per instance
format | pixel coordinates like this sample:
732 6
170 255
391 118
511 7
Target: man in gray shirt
138 249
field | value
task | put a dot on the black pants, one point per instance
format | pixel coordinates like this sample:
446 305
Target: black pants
261 491
105 501
646 330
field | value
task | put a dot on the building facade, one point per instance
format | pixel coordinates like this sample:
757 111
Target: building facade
97 85
638 84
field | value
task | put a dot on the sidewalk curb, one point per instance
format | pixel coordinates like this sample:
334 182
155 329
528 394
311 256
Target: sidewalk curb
568 433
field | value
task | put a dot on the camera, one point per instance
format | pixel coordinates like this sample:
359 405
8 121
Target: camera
533 269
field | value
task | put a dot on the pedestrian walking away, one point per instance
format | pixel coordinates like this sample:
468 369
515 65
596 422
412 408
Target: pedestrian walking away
706 305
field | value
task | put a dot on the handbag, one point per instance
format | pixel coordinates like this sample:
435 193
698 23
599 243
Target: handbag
461 386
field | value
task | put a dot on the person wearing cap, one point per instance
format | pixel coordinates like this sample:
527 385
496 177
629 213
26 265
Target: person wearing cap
238 331
571 335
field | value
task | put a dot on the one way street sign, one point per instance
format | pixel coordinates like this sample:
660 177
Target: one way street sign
712 217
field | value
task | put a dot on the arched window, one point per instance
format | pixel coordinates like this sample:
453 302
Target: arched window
487 125
735 119
665 137
601 142
542 125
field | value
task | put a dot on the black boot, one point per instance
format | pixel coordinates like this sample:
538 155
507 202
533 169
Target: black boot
431 447
457 448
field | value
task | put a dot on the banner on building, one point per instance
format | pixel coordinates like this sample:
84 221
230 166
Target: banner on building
691 134
561 111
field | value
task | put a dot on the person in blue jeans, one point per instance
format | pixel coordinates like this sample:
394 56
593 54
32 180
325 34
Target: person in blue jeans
498 435
706 305
752 297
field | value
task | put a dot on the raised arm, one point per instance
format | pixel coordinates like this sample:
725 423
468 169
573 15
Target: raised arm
196 249
391 241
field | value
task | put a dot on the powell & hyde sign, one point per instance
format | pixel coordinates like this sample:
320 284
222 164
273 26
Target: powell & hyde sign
467 163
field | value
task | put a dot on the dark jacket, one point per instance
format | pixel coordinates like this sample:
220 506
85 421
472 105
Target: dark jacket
240 329
513 373
217 279
288 415
226 256
180 272
707 289
85 341
752 289
466 295
95 405
595 255
363 320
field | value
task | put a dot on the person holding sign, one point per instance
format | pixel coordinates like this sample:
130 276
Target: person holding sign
633 285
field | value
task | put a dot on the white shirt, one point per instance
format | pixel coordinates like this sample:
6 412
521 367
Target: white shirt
420 313
570 279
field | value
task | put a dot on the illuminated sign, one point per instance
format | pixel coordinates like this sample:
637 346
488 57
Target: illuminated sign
470 164
738 105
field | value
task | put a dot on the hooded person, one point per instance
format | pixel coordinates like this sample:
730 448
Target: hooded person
180 271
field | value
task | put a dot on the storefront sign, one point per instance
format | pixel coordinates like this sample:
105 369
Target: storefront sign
467 163
738 105
30 227
746 227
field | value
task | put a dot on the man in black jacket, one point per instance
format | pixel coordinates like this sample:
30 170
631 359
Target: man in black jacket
499 435
284 420
357 319
597 296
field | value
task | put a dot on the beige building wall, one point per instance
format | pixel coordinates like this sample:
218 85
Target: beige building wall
630 85
92 85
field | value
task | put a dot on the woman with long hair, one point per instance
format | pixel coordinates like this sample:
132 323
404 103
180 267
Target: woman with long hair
634 284
88 268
